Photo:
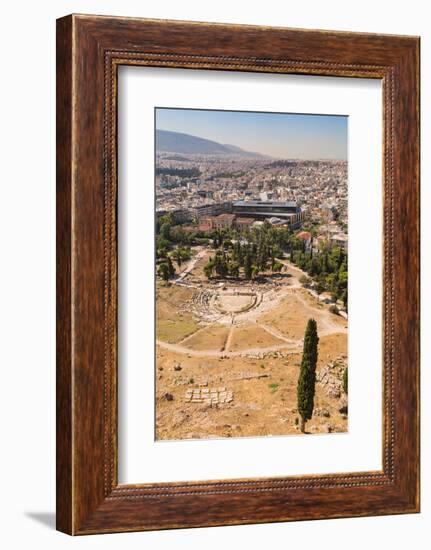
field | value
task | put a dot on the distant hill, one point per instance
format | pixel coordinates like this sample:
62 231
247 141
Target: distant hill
176 142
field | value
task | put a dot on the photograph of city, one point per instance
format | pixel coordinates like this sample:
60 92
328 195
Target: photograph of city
251 264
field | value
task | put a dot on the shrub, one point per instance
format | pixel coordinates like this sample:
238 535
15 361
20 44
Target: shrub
304 280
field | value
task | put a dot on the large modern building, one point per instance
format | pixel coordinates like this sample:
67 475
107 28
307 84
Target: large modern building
211 209
289 212
196 213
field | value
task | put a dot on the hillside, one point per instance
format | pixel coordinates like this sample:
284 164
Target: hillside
176 142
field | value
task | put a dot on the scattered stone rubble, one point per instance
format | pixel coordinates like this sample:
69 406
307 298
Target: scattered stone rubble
208 396
321 412
247 375
234 376
330 377
268 355
326 428
168 397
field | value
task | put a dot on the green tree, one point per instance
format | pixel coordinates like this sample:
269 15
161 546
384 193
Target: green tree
314 267
161 253
162 243
181 255
255 271
345 381
171 268
167 218
220 265
217 237
319 288
233 268
209 268
344 299
277 267
342 279
177 235
236 252
177 256
165 231
307 374
248 266
186 254
163 271
276 251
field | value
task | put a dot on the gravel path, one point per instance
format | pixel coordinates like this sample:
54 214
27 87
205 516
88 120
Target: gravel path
177 348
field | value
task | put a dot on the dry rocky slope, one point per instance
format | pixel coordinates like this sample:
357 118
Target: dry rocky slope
228 357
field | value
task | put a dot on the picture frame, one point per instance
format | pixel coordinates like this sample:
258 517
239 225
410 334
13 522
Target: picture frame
89 51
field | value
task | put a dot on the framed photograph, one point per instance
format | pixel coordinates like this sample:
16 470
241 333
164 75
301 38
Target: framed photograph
237 274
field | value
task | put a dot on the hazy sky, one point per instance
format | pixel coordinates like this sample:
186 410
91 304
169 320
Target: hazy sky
276 134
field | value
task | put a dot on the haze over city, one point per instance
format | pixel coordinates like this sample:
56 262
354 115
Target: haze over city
279 135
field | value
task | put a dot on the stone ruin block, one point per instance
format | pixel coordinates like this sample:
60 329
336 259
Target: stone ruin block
209 396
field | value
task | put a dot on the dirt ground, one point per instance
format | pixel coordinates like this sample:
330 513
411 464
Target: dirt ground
173 324
211 337
236 375
246 335
291 315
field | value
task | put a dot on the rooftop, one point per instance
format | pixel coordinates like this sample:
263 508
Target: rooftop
340 237
290 204
287 215
304 235
245 220
225 216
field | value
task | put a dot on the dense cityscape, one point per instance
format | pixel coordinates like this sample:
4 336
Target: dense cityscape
198 189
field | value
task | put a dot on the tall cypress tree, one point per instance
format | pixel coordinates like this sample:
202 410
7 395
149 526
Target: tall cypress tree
307 374
247 266
171 268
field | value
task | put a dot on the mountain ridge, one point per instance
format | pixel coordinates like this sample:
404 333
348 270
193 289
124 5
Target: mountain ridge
168 141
